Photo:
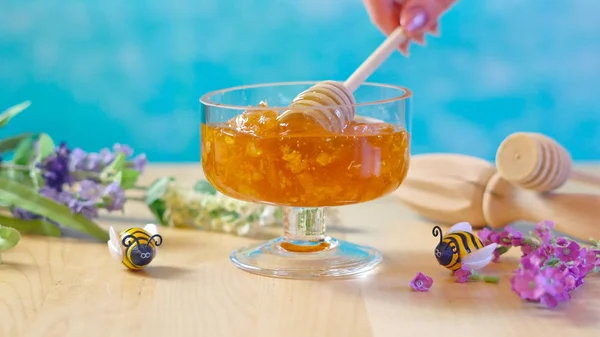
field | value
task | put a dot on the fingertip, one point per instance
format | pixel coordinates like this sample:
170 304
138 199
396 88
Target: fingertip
404 48
420 39
435 30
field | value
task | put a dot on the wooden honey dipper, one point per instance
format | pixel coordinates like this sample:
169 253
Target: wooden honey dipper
324 96
574 214
537 162
451 188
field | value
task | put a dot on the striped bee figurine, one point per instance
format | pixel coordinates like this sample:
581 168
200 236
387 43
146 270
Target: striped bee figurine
135 247
460 247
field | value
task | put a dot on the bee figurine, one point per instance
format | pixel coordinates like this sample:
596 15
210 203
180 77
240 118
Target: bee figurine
459 247
135 247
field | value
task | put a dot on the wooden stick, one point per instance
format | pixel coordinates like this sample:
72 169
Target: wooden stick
375 59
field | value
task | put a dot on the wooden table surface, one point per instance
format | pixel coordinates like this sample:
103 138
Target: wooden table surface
68 287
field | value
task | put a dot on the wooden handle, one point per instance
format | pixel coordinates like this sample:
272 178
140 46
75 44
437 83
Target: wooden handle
537 162
585 178
446 188
375 59
575 214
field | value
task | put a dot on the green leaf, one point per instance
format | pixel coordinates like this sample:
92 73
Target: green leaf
158 208
25 152
110 172
9 237
204 187
28 199
36 227
11 112
157 189
11 143
129 178
46 146
154 195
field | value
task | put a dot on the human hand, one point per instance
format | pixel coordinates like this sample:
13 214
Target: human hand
416 16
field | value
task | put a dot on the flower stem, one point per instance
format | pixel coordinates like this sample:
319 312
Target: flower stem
474 277
18 167
501 250
491 279
140 199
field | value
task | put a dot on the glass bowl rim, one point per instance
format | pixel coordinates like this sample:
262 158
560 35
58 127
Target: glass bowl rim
206 98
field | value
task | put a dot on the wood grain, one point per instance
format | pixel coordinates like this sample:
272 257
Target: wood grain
66 287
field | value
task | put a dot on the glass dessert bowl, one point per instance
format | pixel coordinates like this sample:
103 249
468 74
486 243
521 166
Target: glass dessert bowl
250 154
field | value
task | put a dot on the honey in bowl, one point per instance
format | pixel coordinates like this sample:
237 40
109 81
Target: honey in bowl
256 158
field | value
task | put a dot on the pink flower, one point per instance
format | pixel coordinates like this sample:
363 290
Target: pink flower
527 249
462 275
587 261
551 268
569 252
496 257
421 282
545 251
523 284
551 280
549 301
505 239
516 237
562 242
495 237
542 231
484 235
532 261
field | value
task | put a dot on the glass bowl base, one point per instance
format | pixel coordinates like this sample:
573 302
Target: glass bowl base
329 258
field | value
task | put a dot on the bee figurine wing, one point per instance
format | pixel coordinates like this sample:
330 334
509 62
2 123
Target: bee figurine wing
480 258
460 227
152 230
114 245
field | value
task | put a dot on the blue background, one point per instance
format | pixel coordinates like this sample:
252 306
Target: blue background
99 72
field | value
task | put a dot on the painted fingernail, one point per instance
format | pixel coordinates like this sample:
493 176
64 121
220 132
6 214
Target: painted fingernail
418 20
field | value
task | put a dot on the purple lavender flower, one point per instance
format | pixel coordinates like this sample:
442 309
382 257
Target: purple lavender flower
114 197
139 162
125 149
49 192
570 252
91 190
106 156
84 207
551 280
462 275
56 168
421 282
77 161
24 214
93 163
523 283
